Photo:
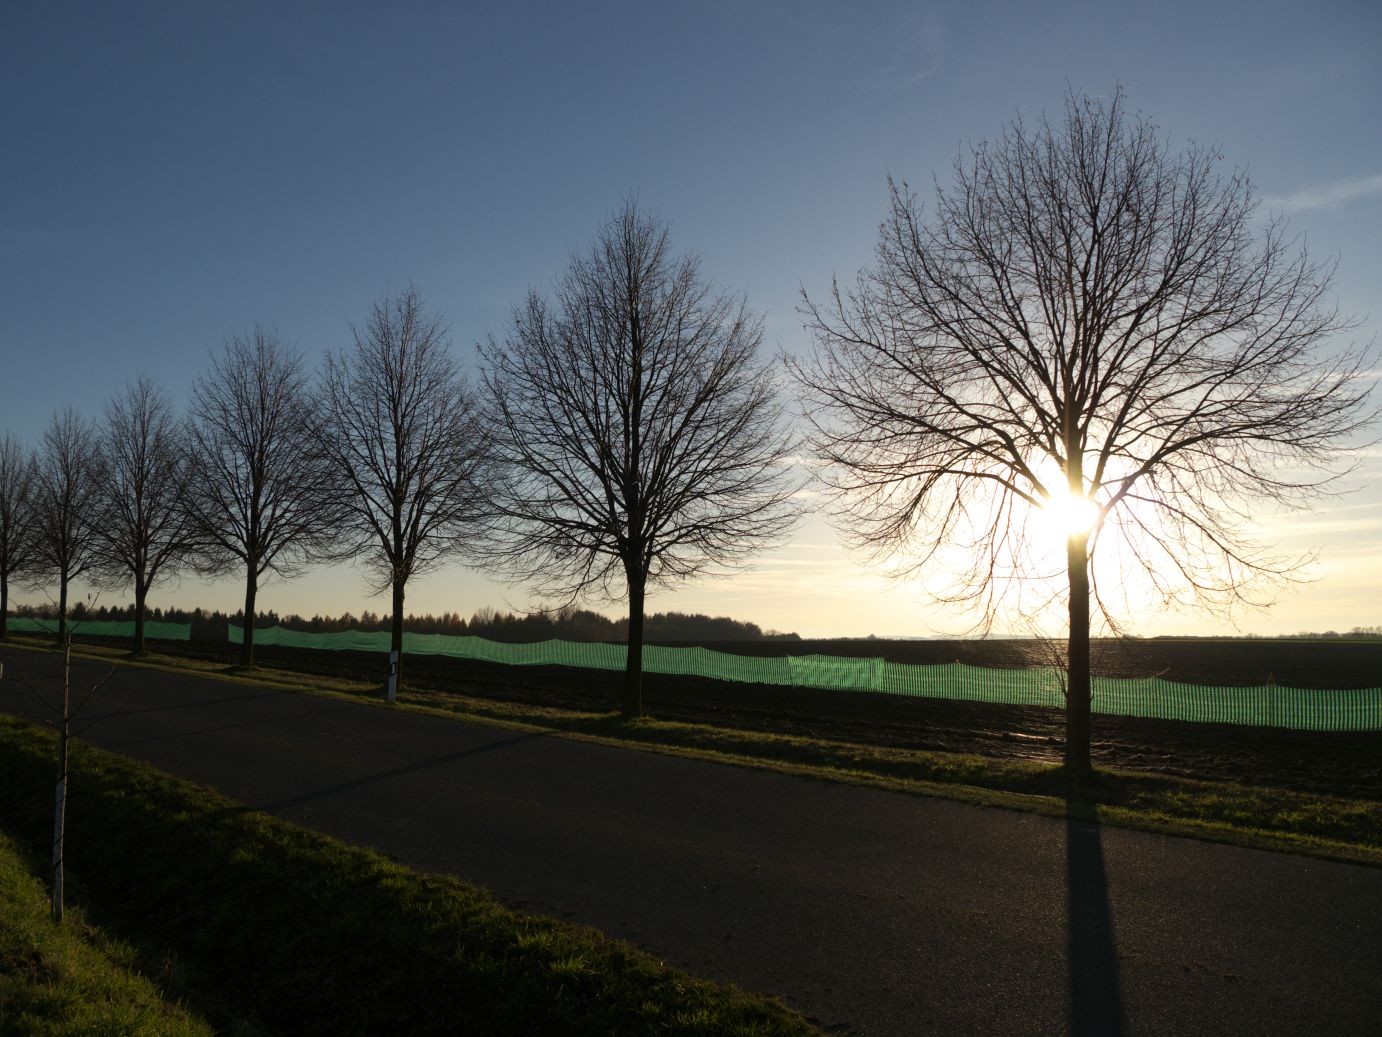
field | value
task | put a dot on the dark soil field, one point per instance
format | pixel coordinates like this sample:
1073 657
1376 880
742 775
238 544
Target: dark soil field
1335 663
1338 663
1347 764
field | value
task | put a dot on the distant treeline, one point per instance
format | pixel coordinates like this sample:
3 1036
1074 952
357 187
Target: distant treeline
570 624
1356 634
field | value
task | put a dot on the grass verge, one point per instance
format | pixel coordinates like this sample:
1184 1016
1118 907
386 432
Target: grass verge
71 979
289 680
1327 827
261 926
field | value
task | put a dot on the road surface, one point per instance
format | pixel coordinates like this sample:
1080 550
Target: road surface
870 911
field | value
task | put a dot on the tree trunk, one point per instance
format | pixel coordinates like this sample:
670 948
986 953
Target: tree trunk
633 668
396 641
4 606
62 607
141 592
247 642
1077 703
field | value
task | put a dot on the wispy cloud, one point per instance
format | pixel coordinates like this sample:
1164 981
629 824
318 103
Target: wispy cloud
1327 196
881 48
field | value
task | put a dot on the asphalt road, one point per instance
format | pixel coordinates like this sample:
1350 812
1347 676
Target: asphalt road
875 912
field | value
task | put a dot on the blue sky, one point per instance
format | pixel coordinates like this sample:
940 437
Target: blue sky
174 173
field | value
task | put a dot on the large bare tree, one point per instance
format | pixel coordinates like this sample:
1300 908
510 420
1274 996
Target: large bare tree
17 514
144 532
1092 343
258 493
408 454
640 437
65 501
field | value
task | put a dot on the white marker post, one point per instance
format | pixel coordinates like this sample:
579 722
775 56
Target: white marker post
393 675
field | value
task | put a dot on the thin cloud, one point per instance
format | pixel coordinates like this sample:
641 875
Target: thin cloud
1327 196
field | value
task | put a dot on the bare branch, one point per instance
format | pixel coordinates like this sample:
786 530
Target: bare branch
144 531
639 436
65 499
409 456
1086 317
259 497
18 515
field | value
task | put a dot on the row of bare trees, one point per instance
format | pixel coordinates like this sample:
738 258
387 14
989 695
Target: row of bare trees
92 502
626 434
1089 327
126 502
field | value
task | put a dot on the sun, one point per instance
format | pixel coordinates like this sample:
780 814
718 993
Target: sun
1067 514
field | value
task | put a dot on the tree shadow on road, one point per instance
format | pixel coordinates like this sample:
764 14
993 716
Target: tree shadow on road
265 721
1095 989
192 703
379 777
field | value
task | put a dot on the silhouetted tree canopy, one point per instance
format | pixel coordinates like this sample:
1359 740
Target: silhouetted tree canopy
408 457
1087 321
143 530
65 503
258 496
17 517
638 432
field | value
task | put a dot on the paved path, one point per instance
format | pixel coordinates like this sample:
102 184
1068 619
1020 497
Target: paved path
873 911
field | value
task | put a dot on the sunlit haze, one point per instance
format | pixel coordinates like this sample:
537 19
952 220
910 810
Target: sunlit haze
1066 514
175 174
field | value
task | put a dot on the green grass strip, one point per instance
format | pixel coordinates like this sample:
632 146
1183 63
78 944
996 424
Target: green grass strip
71 979
266 927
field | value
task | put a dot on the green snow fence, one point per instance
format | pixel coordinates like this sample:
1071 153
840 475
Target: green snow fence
1264 706
153 630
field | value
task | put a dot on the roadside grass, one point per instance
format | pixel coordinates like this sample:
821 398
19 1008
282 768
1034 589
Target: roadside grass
1328 827
261 926
71 979
287 679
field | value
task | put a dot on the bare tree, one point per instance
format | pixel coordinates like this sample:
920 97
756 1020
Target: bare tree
258 490
17 514
1090 343
640 437
144 532
65 499
399 428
